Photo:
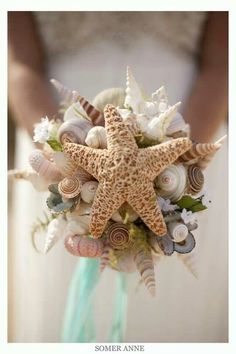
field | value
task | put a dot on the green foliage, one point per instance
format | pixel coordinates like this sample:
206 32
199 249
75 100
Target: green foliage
54 144
189 203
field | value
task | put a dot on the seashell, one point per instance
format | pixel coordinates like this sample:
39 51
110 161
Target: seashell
178 231
97 138
177 124
162 245
104 260
74 130
83 175
192 227
125 263
66 95
171 182
154 244
79 220
69 187
38 182
95 115
44 167
88 191
55 230
55 202
118 236
195 179
134 97
204 161
84 246
161 98
114 96
190 261
125 209
185 246
66 166
144 264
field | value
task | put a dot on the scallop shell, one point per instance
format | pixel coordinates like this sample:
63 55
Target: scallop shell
66 166
38 182
44 167
190 261
55 230
185 246
144 264
69 187
88 191
171 182
125 209
134 97
177 124
178 231
118 236
66 95
97 138
95 115
114 96
84 246
195 179
74 130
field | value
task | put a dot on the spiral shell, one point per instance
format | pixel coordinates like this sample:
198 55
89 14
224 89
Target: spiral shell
74 130
114 96
190 261
204 161
118 236
69 187
66 95
171 182
178 231
88 191
195 179
66 166
44 167
185 246
84 246
55 230
104 260
95 115
97 138
144 264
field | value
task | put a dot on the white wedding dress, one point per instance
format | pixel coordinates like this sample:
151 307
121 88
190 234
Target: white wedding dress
161 49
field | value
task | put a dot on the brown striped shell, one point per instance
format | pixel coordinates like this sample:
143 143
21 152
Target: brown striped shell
74 130
144 263
95 115
84 246
118 236
195 179
69 187
199 150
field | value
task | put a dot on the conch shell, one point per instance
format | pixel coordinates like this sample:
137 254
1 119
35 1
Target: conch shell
178 231
195 179
69 187
74 130
44 167
55 230
171 182
144 263
84 246
88 191
118 236
97 138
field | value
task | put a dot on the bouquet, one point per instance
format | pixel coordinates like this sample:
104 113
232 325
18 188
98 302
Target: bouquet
125 182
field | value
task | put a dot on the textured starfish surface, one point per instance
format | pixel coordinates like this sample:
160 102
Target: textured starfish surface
125 173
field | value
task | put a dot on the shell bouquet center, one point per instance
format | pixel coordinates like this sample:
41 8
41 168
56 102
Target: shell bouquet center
125 182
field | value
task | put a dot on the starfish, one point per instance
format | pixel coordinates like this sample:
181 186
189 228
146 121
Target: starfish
125 173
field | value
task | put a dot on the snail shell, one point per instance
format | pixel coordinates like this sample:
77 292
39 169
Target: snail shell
178 231
185 246
114 96
145 266
74 130
84 246
95 115
190 261
44 167
195 179
118 236
88 191
132 215
66 95
69 187
97 138
66 166
55 230
171 182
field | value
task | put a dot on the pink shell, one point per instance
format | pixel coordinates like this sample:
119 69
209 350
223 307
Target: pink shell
83 246
44 167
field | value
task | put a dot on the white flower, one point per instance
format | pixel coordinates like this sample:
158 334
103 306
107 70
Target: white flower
205 199
41 131
165 204
188 217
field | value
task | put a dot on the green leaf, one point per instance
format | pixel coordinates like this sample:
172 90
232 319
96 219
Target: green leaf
189 203
54 144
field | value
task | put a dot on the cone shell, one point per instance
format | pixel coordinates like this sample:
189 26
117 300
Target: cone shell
66 166
195 179
171 182
88 191
74 130
44 167
95 115
144 264
190 261
55 230
69 187
178 231
97 138
118 236
84 246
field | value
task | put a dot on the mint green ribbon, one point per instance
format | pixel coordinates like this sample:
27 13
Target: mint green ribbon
79 326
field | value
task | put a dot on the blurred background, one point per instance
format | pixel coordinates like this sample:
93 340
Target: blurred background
187 52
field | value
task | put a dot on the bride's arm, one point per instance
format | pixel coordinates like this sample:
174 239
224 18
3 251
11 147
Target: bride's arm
207 104
29 93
